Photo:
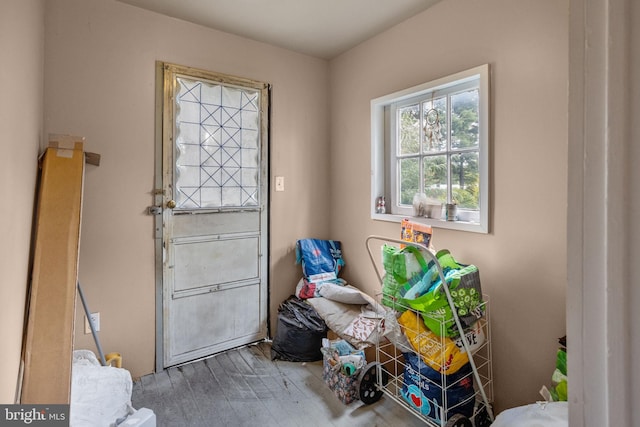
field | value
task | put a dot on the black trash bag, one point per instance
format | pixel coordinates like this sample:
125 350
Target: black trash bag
300 332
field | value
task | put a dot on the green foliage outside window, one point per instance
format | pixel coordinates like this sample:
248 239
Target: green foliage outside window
463 143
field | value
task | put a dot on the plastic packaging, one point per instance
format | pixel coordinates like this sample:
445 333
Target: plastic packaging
300 332
100 395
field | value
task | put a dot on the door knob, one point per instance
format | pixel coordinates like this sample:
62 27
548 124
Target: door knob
171 204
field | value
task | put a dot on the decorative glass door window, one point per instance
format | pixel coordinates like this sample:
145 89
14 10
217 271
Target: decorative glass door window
217 145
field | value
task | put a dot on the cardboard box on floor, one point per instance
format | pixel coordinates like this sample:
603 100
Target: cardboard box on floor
51 311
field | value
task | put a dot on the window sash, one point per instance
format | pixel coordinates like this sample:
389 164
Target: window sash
405 207
385 159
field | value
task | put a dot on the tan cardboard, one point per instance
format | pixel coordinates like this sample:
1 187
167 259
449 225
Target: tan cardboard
50 327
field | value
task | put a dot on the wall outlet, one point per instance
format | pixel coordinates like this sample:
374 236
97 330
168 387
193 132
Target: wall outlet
95 318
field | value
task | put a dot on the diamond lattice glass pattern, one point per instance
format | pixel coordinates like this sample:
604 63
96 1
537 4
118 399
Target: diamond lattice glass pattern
217 145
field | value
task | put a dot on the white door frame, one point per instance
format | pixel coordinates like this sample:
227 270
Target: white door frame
600 294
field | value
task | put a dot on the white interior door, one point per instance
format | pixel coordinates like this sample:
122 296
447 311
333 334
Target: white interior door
214 213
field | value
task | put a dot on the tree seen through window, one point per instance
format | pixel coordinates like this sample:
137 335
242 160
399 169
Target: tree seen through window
438 150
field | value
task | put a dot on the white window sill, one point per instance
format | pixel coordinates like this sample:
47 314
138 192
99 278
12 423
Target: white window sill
433 222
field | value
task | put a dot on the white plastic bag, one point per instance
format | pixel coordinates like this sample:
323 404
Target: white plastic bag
543 414
100 395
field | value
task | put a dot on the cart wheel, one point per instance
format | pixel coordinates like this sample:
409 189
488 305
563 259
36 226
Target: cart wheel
458 420
481 419
369 392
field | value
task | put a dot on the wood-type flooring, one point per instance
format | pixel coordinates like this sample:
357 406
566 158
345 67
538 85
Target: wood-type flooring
244 387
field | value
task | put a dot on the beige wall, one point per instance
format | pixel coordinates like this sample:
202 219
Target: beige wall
21 74
523 259
100 59
634 204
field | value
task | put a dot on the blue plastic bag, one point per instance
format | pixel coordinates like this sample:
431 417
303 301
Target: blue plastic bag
321 259
422 389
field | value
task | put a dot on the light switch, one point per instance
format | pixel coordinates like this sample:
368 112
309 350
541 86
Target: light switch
279 183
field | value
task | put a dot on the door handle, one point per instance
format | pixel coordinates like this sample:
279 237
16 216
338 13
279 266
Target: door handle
157 210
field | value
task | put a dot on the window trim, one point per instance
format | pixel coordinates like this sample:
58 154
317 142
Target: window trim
381 146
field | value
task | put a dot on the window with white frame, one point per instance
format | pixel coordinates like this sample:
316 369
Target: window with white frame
431 142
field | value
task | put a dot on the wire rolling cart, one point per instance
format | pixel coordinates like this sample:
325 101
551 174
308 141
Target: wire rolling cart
394 357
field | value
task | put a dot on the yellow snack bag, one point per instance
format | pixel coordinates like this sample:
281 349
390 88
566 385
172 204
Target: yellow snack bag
440 353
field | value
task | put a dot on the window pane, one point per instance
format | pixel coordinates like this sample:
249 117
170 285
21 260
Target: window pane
464 119
409 173
435 177
435 125
217 145
409 129
465 180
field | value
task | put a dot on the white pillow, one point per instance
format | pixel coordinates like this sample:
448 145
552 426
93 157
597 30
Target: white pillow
344 294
